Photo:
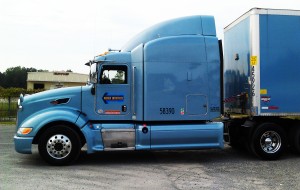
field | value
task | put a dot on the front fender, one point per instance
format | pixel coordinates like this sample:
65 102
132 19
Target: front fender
44 117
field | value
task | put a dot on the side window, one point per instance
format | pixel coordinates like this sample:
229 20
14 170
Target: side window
116 74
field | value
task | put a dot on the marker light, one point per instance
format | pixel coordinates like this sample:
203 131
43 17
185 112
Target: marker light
24 131
105 53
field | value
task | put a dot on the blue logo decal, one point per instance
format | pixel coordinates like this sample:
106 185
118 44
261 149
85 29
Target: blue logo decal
108 98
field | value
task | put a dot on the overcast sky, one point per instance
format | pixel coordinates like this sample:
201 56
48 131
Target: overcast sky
64 34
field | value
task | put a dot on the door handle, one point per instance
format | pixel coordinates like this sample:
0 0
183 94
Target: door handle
124 108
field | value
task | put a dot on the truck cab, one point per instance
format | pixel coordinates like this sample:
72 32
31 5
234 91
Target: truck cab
159 92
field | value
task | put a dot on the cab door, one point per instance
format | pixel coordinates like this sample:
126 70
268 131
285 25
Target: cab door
113 93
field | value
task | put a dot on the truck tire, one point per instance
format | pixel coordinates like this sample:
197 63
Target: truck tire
268 141
59 145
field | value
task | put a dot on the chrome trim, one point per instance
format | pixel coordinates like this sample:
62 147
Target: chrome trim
118 130
133 93
119 149
279 114
118 139
59 146
20 100
270 142
255 70
19 104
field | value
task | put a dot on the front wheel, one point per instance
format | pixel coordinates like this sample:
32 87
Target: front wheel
59 145
268 141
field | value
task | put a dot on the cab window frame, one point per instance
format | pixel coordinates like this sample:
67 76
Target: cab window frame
111 69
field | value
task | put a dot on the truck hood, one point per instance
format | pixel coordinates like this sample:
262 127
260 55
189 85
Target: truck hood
52 95
63 98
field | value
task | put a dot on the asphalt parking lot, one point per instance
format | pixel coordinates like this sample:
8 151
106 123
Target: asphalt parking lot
202 169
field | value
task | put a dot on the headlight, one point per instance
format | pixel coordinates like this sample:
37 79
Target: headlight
24 130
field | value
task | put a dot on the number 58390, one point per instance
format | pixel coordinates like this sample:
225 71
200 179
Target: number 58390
167 110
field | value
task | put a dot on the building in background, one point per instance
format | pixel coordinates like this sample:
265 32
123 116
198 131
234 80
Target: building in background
52 80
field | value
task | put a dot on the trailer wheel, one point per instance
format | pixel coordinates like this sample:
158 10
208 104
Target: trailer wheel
59 145
268 141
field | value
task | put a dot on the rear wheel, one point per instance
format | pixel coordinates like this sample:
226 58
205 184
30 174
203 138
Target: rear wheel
268 141
59 145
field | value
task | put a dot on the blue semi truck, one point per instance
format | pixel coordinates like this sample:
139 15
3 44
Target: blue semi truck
165 88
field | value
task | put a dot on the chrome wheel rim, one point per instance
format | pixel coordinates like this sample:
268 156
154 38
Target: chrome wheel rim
59 146
270 142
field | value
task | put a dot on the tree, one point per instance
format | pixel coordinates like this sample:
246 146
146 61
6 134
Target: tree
15 92
11 92
1 79
16 77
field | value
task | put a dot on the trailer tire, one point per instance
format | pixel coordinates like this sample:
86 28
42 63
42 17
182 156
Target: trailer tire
59 145
268 141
